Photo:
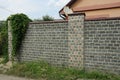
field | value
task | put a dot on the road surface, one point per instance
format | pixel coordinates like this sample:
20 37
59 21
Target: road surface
6 77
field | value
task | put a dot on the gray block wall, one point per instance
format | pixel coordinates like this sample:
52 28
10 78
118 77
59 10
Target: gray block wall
46 41
79 43
59 43
102 45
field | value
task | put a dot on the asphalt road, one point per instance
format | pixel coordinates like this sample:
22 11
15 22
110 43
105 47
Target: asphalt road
6 77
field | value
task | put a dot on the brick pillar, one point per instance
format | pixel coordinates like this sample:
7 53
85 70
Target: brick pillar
9 41
76 39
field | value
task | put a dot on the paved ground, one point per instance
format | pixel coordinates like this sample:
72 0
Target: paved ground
6 77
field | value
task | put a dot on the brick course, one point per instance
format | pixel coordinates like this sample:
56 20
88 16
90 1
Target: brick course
102 45
47 41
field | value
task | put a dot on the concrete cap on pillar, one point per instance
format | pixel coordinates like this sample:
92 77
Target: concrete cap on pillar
73 14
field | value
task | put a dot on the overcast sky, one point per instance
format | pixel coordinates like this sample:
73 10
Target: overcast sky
33 8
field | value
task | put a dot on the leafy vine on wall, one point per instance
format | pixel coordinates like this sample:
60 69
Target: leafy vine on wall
19 24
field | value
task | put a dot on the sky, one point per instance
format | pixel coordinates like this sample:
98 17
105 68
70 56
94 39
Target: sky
34 9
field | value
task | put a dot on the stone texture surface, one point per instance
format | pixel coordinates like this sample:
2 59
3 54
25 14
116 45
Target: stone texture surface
46 41
5 67
76 40
77 43
9 41
102 45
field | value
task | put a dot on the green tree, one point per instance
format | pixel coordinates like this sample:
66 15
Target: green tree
4 39
47 18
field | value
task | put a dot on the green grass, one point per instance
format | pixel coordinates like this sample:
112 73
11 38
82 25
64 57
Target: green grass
42 70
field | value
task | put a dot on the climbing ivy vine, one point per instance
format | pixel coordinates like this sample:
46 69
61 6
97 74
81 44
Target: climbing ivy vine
19 24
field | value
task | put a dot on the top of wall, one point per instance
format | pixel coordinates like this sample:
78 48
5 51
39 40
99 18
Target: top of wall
100 19
47 22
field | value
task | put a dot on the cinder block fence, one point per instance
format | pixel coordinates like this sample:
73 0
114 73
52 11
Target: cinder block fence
78 43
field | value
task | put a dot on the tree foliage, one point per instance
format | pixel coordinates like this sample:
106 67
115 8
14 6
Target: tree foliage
4 40
47 18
